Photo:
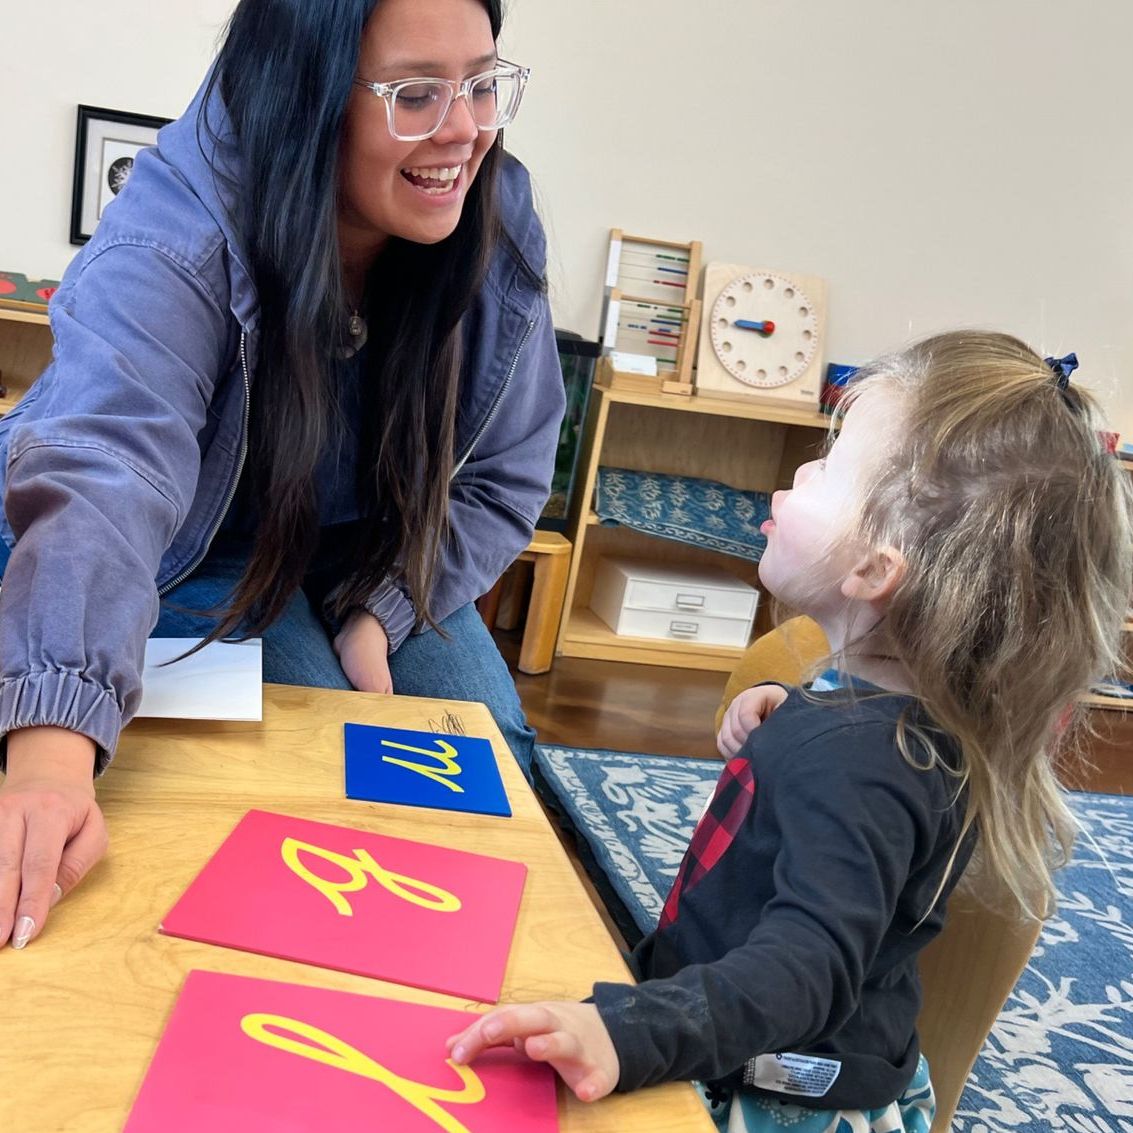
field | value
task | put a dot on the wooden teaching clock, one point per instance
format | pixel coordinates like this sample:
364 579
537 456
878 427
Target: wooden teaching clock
762 335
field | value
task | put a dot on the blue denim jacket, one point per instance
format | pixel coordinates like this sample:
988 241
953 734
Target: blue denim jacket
120 462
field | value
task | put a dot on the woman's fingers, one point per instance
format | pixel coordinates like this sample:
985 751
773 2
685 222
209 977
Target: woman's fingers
11 864
49 840
46 835
83 851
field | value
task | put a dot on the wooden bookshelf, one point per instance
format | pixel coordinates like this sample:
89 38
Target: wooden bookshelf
744 444
1118 703
25 350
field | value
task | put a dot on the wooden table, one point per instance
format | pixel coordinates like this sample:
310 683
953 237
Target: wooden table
83 1007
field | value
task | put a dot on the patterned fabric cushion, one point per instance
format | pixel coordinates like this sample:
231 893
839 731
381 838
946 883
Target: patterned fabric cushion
701 512
1060 1056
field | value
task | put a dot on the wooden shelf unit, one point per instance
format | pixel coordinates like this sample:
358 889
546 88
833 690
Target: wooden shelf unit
743 444
1118 703
25 350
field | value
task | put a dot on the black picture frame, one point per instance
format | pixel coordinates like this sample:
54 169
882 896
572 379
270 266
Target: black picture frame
105 144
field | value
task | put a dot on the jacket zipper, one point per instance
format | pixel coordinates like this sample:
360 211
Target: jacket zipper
235 480
495 407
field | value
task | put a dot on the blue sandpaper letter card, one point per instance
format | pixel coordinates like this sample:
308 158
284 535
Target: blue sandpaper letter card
393 765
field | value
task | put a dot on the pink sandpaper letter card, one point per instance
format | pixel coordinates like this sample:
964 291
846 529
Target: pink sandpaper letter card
241 1055
327 895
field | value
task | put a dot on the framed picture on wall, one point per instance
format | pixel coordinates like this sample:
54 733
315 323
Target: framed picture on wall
106 143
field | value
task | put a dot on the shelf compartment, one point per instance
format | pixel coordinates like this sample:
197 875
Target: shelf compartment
586 635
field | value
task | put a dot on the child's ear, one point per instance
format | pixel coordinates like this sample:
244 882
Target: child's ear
875 576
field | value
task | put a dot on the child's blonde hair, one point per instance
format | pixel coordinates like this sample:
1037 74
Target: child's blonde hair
1015 525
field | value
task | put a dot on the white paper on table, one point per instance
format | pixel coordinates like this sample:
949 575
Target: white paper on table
223 681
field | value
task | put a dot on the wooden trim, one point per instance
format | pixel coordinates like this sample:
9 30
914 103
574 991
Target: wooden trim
750 409
12 315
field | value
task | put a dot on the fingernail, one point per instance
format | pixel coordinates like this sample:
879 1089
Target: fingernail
56 894
25 926
458 1053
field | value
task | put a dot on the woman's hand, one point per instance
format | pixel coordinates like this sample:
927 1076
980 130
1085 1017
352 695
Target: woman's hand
51 830
363 650
570 1036
749 709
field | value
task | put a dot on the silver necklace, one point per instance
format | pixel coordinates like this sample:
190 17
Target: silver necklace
358 331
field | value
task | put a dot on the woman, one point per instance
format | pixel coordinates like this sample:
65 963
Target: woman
304 387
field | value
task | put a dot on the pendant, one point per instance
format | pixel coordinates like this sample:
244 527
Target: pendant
356 328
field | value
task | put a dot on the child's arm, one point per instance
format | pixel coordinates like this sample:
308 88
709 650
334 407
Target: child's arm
570 1036
746 712
851 818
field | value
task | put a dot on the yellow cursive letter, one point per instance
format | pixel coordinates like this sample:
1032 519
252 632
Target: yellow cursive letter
325 1048
360 869
446 758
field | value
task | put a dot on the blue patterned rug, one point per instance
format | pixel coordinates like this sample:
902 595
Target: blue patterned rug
704 513
1060 1056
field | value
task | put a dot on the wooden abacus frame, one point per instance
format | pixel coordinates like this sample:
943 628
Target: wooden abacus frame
671 377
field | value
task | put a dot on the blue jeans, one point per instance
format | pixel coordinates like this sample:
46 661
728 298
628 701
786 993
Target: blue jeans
464 665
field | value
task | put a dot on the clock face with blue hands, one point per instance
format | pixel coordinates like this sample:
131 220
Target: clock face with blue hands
765 329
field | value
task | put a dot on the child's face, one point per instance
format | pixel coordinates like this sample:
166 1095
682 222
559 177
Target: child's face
809 552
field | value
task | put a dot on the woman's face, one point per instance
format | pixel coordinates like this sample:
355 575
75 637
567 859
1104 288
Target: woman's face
407 189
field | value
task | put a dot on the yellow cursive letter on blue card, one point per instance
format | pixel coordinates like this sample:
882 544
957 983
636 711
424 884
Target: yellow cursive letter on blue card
446 757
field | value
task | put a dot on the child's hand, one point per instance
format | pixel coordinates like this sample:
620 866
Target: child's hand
570 1036
745 714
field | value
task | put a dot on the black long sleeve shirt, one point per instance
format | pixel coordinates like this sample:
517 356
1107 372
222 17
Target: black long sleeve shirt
798 913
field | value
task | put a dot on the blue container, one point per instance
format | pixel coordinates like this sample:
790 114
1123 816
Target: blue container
837 377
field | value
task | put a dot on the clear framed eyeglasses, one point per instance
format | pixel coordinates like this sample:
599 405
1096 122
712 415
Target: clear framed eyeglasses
417 108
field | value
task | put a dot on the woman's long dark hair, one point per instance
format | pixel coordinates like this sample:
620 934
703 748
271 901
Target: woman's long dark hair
285 74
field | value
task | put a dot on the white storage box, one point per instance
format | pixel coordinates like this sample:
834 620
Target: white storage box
697 604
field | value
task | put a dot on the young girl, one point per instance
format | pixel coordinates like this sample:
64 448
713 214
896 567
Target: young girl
304 380
966 548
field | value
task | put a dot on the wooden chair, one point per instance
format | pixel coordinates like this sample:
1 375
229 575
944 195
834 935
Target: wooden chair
549 552
968 971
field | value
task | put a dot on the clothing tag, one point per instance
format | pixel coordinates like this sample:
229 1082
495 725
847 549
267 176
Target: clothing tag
801 1074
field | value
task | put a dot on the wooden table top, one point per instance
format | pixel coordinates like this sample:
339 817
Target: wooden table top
83 1006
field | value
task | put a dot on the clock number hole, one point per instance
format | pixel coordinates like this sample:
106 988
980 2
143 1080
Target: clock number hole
804 311
789 293
783 371
731 301
761 374
769 284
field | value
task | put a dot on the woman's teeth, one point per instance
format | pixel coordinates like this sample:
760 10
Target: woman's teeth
433 180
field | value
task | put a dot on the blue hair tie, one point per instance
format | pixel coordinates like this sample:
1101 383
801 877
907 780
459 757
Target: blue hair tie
1063 368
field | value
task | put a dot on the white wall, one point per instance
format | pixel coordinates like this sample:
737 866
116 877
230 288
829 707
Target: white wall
967 162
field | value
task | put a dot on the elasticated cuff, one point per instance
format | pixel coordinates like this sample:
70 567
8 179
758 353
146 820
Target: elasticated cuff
61 699
390 605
